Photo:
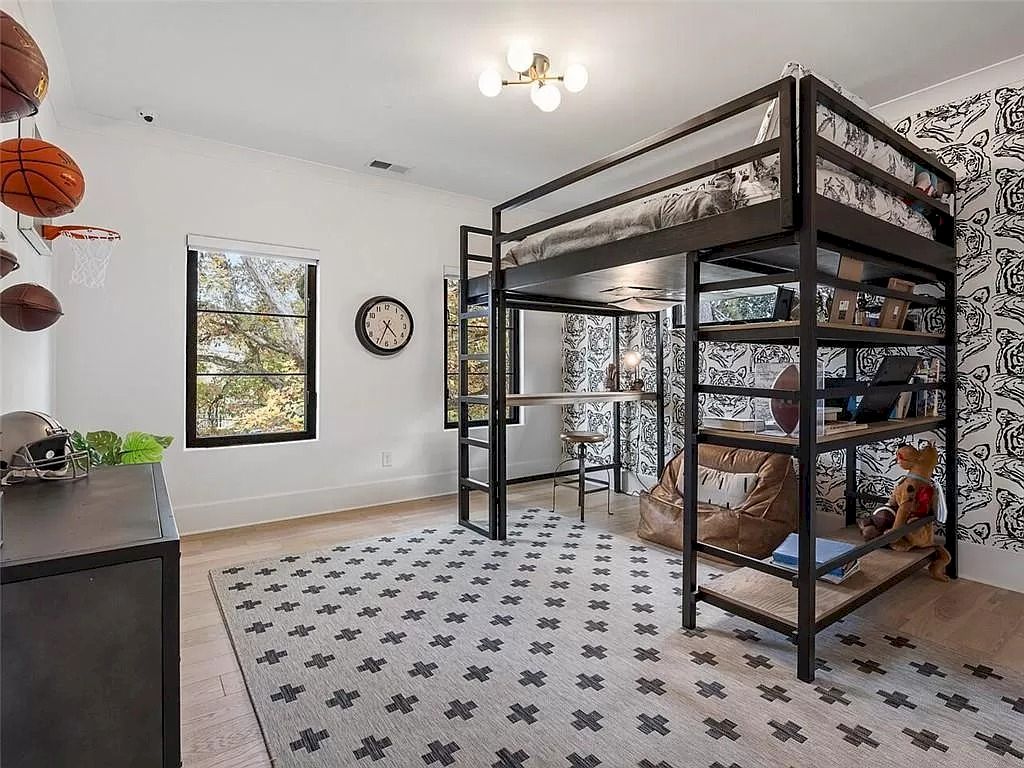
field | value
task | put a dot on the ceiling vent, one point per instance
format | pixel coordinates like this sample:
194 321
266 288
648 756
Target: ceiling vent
384 165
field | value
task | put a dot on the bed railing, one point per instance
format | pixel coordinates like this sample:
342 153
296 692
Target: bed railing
784 145
843 106
813 91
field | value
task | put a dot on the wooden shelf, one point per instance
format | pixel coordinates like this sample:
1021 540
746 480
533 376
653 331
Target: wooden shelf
883 430
568 398
775 599
828 334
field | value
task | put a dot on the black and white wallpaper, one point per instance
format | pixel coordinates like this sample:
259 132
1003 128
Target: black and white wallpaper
982 138
587 344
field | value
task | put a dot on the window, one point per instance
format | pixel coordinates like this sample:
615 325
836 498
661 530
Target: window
478 369
739 306
250 347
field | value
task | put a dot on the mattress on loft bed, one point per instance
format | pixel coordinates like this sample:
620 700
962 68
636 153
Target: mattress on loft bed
750 184
723 194
718 194
678 208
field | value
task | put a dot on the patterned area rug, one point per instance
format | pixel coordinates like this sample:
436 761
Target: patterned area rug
562 647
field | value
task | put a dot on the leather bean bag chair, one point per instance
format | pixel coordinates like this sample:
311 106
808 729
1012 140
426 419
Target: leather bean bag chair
754 527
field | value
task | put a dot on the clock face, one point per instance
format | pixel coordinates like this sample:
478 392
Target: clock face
384 325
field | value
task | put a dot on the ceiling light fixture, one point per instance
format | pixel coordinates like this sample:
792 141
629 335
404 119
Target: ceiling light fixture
533 69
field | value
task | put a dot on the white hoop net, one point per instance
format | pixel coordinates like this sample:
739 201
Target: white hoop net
92 249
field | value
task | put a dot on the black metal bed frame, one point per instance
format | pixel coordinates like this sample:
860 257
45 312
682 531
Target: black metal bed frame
774 242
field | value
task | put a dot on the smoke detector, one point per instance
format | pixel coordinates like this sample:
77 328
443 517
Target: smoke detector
384 165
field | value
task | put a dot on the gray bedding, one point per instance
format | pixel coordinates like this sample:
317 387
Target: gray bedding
723 192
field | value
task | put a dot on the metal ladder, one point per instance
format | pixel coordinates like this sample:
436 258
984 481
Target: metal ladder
494 311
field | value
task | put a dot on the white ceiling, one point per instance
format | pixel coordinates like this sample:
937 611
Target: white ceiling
342 83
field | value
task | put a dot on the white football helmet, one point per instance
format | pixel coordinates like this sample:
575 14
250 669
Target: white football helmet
35 445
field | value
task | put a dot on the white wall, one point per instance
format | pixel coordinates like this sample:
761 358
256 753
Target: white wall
26 359
121 349
1004 72
983 453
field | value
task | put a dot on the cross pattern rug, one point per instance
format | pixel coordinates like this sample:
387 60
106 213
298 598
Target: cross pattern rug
562 647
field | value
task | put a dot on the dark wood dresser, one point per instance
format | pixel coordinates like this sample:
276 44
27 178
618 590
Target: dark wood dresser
89 577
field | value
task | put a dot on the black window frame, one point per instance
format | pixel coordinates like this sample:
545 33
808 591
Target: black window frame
192 438
451 367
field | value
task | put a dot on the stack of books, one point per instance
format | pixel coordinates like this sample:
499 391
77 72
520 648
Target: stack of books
836 427
788 556
735 425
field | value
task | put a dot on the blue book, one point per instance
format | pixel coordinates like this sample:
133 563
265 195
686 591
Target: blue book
788 553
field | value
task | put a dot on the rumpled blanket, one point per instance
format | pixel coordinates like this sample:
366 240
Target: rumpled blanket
722 192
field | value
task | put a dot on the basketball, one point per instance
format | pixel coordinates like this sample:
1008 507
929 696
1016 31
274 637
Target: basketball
29 307
39 179
23 73
8 262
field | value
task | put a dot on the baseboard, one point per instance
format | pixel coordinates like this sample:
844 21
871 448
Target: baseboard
255 510
634 483
989 565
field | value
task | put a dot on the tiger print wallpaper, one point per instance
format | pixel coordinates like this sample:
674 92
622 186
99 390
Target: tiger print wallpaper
982 138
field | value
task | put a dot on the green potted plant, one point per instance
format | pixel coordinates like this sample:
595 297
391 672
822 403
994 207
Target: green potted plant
107 448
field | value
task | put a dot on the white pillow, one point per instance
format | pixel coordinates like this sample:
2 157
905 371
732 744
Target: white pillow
722 489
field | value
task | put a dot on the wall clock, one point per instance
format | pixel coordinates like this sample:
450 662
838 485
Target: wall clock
384 325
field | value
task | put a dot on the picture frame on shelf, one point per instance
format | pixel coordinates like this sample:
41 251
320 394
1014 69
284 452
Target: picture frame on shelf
894 311
844 301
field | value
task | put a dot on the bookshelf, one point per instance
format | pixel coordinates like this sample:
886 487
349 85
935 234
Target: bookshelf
797 602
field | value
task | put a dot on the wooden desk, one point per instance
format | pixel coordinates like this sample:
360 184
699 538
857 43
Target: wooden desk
570 398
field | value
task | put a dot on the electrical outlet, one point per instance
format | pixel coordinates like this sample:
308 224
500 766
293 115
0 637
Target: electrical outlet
385 458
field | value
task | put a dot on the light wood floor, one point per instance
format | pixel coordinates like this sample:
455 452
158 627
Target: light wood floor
219 728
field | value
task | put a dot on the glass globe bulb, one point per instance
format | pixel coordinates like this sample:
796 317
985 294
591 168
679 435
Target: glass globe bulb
630 359
520 56
545 96
576 78
489 83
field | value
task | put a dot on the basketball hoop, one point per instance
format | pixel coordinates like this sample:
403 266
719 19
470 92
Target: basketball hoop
92 247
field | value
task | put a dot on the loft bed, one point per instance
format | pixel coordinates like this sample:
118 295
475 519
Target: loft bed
654 259
796 234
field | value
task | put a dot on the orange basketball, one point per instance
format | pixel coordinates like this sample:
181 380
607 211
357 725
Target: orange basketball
23 73
39 179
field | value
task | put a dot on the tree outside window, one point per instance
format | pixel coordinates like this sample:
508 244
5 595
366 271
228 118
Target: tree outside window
251 351
477 379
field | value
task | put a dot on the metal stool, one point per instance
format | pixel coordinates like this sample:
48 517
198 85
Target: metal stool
582 439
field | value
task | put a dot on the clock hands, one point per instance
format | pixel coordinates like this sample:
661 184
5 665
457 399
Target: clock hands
387 327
